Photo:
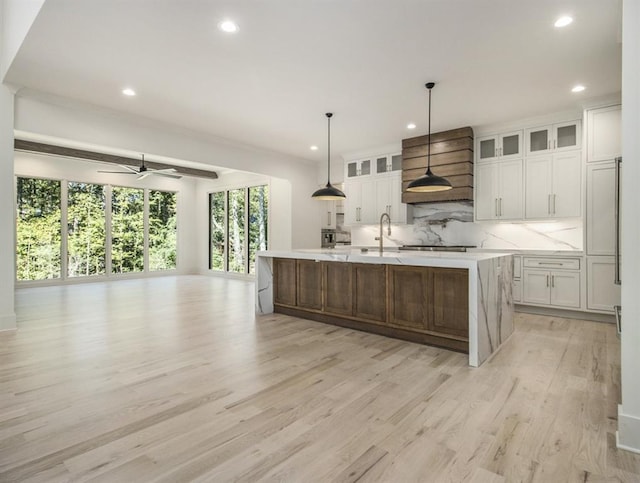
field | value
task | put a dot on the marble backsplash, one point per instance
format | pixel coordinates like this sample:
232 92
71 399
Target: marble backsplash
452 224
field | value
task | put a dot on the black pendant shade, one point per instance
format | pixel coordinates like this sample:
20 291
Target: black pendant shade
329 192
429 182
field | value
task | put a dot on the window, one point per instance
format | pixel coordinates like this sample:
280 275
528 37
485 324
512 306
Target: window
86 235
142 235
162 230
38 229
127 230
238 221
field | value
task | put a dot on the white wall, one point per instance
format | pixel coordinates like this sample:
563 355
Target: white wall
43 115
17 17
7 266
629 410
54 167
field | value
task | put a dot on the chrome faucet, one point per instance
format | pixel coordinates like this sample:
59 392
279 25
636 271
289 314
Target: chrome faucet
381 238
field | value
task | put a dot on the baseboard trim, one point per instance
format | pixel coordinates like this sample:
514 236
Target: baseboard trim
628 434
567 314
8 322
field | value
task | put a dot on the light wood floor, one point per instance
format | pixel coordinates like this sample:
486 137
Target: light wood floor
175 379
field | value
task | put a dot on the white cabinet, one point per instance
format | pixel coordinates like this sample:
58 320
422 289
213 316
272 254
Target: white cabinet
553 288
389 197
328 216
368 198
554 282
355 169
517 278
604 134
498 193
553 186
564 136
602 292
601 224
506 145
360 204
388 163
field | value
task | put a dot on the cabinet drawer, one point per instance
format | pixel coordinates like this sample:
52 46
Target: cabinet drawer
554 263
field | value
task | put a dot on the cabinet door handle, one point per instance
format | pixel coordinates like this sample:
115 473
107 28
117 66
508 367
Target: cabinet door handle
547 280
328 218
496 207
554 204
554 144
553 281
500 205
616 279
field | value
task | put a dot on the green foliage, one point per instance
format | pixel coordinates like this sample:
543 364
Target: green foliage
217 231
236 206
258 222
86 230
127 230
162 230
38 229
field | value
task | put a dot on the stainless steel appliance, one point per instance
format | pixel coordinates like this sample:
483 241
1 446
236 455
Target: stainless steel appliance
618 281
437 248
328 238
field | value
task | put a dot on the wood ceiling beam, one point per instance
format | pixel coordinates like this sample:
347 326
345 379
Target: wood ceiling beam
43 148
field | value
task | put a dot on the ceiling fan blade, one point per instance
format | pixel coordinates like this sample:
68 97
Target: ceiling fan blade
144 174
129 168
166 175
115 172
165 170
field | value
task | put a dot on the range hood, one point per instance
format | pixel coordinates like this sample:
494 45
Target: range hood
451 157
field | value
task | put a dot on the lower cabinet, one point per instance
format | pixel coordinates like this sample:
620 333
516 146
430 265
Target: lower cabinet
555 288
424 304
602 292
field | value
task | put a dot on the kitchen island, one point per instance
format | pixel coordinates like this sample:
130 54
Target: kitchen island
461 301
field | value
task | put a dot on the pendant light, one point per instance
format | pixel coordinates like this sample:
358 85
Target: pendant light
429 182
329 192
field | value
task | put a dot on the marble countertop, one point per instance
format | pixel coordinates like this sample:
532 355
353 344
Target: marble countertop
391 257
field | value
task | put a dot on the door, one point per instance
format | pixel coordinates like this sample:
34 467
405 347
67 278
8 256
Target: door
602 293
510 144
486 198
284 281
397 209
370 291
409 300
338 288
450 301
538 140
566 136
309 273
567 183
487 148
368 214
510 190
538 187
565 289
604 127
536 287
383 195
601 197
353 192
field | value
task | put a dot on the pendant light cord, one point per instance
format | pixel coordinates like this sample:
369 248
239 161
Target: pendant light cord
429 129
329 147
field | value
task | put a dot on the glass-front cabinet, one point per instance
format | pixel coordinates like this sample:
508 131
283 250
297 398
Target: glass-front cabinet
359 168
506 145
553 138
389 163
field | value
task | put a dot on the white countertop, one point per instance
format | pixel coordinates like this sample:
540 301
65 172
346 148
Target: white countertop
391 257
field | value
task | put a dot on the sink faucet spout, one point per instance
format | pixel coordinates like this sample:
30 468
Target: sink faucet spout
381 238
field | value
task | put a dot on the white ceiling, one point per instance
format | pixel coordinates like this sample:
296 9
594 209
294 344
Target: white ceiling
367 61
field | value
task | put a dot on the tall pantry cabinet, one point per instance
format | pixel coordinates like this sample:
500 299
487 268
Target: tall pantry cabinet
603 140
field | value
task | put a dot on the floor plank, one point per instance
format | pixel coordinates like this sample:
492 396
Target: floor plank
176 379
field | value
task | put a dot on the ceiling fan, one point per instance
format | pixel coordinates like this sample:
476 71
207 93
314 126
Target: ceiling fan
143 171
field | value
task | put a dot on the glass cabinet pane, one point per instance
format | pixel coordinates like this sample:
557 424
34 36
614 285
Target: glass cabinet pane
487 148
567 136
396 162
352 169
365 167
539 140
511 145
381 165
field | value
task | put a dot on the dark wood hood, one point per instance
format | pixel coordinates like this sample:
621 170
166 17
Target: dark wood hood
451 157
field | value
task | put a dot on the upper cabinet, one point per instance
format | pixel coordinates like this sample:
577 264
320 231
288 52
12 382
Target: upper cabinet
499 190
371 193
362 167
506 145
386 164
604 126
553 138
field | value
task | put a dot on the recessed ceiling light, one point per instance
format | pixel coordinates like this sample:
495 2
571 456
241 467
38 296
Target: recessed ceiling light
578 88
314 148
411 126
129 92
228 26
563 21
